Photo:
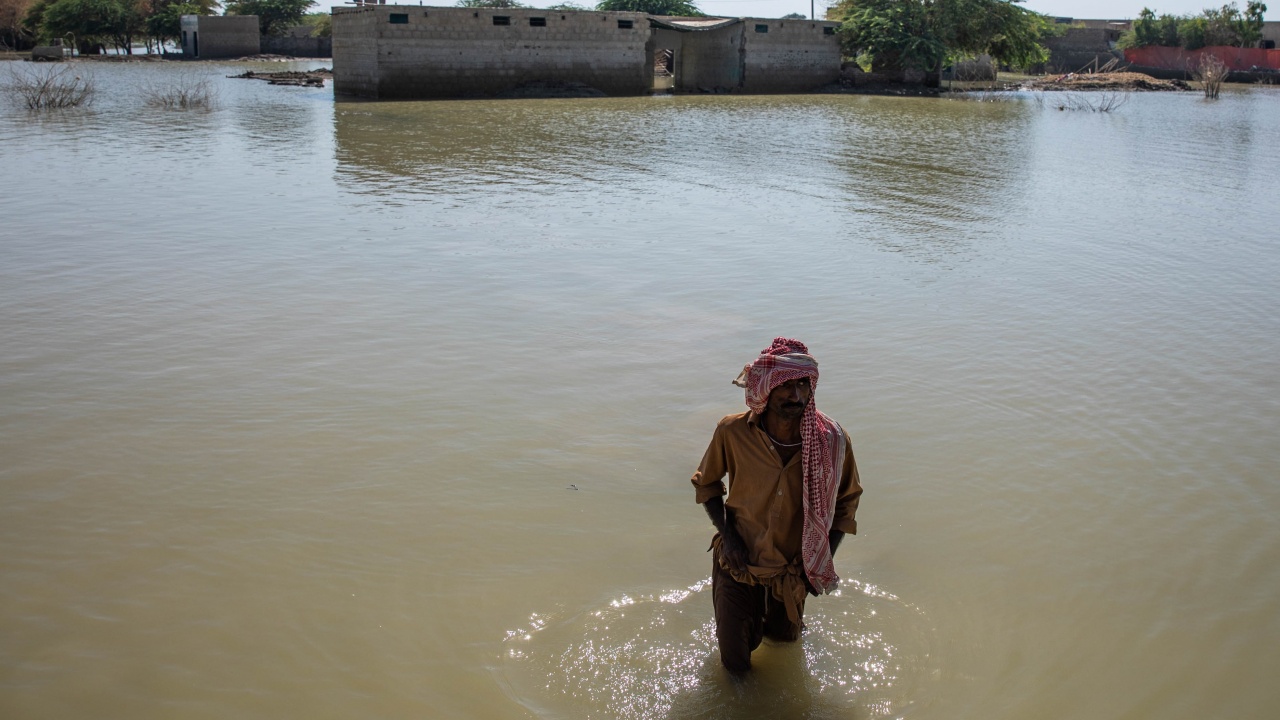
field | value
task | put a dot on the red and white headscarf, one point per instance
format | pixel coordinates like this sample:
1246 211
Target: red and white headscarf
822 452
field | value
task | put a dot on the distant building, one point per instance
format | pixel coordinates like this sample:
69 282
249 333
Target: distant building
1082 47
220 36
1270 35
1118 25
410 51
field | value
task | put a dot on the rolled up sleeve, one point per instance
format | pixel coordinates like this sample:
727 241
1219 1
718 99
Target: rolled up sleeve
848 495
708 481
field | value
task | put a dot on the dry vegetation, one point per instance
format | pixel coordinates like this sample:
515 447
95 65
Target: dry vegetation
1211 74
1111 81
46 87
185 92
1102 102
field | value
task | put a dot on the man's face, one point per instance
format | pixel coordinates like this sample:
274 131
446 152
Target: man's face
789 399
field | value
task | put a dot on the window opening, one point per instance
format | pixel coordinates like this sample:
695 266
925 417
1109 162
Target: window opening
501 20
762 28
625 24
537 22
399 18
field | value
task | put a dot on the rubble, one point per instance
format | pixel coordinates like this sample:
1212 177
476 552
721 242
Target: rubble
1115 81
298 78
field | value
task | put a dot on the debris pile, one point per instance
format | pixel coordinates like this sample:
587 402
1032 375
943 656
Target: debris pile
1115 81
308 78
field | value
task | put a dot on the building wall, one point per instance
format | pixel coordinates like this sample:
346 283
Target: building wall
1271 31
316 47
1080 47
455 52
1120 25
220 35
712 59
355 51
789 56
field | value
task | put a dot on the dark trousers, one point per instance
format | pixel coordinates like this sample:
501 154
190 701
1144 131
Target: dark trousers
745 614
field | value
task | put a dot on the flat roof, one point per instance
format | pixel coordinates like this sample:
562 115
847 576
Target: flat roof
693 24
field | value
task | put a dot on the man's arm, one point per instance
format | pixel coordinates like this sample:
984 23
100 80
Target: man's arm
732 549
833 539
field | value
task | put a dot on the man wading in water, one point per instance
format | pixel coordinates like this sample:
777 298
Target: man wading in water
793 491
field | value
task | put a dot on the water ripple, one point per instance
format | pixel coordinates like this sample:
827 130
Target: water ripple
652 656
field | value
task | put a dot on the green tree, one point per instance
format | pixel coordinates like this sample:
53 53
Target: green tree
33 20
679 8
1250 27
1169 31
1228 26
567 6
925 34
13 32
90 22
1223 24
1146 29
1193 32
1150 30
274 16
794 16
164 24
321 24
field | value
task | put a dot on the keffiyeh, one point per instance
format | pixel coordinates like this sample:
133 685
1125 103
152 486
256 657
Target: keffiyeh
822 451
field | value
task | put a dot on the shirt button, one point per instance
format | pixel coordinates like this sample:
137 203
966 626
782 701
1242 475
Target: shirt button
779 491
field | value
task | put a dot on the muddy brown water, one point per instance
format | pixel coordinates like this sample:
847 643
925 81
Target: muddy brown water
314 409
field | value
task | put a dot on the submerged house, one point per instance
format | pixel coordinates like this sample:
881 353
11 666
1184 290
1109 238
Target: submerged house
415 52
219 36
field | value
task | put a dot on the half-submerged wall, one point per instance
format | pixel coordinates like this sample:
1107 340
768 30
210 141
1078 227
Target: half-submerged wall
789 55
753 55
410 51
219 36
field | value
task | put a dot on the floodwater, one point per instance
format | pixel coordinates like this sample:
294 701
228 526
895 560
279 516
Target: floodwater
336 410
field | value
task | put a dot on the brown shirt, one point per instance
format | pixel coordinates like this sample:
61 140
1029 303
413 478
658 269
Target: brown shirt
764 495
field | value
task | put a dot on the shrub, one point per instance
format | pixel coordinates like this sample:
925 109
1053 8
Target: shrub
49 87
1104 102
185 92
1211 73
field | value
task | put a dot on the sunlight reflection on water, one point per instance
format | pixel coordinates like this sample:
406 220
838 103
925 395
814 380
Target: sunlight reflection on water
654 656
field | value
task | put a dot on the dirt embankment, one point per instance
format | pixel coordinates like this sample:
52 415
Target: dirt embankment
1116 81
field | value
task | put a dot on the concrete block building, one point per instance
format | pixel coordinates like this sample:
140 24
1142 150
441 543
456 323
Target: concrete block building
219 36
415 52
751 55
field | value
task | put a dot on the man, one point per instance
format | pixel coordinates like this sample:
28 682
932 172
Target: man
793 491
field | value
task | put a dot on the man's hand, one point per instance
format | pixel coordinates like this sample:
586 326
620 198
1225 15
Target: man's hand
833 540
732 548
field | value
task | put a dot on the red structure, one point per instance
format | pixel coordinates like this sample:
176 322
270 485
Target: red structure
1173 58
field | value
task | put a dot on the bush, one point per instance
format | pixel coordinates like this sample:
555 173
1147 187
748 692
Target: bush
51 87
1086 102
1211 74
186 92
